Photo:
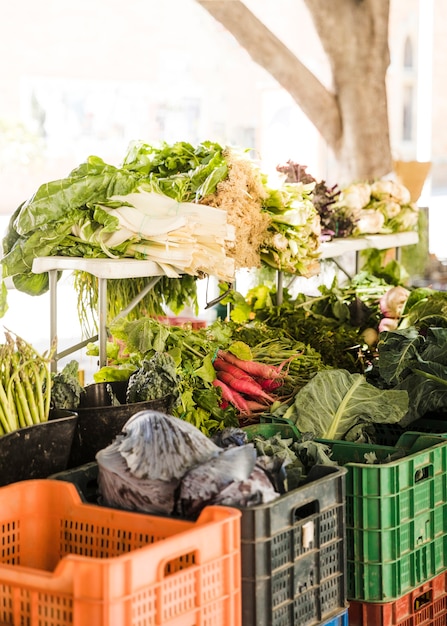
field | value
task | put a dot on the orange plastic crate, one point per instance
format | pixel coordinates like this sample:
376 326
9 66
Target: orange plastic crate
425 605
65 562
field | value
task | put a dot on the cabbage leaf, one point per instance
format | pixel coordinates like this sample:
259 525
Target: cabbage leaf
334 401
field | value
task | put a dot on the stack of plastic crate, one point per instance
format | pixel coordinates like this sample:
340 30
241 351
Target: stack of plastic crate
396 530
293 550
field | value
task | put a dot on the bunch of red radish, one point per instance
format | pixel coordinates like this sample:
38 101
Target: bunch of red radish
246 384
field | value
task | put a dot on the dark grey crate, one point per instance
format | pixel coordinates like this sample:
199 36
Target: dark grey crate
293 554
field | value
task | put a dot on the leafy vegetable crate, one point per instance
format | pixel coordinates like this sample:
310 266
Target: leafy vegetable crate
424 606
292 550
396 515
64 562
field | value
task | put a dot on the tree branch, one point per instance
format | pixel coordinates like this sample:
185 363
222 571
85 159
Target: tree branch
317 103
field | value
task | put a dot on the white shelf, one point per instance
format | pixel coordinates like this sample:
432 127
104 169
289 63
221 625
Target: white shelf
337 247
105 269
101 268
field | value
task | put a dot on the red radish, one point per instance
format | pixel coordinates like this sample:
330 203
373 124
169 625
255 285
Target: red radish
255 406
269 384
234 370
233 397
255 368
253 390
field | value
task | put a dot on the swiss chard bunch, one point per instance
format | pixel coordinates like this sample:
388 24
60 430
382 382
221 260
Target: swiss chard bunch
182 171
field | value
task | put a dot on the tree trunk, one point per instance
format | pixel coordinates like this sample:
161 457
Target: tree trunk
355 38
353 118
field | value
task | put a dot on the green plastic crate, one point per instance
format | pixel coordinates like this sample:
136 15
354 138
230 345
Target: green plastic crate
396 515
396 512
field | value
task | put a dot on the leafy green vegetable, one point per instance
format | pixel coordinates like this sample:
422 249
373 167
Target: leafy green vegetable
333 401
73 217
92 181
332 323
425 308
293 239
417 364
392 272
156 378
66 390
182 171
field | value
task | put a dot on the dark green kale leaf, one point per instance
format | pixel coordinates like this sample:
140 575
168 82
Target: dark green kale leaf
66 389
156 378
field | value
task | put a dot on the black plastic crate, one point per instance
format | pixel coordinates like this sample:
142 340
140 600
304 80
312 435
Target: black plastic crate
293 549
85 479
293 554
389 434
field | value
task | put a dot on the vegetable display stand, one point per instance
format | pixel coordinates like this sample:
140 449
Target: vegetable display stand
424 606
99 422
292 550
103 270
345 245
64 562
39 450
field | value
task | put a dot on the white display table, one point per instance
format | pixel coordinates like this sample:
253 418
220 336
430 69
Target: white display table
107 269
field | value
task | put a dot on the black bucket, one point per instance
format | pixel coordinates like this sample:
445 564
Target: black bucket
39 450
99 422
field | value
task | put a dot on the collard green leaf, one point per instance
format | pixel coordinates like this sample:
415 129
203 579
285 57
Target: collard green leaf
430 310
426 395
435 346
334 400
417 364
398 350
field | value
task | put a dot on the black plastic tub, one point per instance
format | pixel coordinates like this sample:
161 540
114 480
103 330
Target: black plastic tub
99 422
39 450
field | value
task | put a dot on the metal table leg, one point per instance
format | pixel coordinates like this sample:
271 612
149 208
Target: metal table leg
102 321
52 278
